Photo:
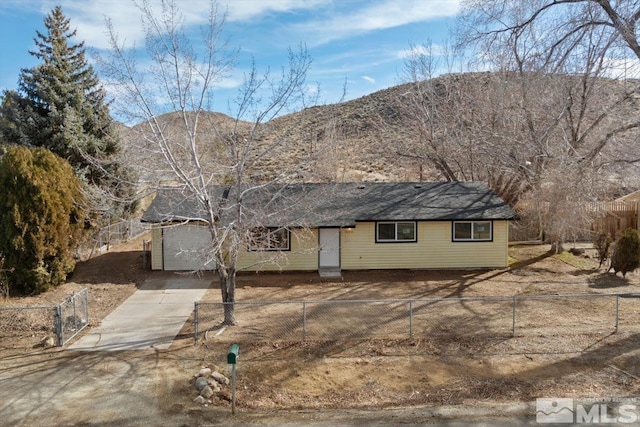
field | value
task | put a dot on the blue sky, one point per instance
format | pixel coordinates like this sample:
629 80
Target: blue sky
362 41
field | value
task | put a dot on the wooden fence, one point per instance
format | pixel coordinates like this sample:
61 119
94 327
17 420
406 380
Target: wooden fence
607 217
614 217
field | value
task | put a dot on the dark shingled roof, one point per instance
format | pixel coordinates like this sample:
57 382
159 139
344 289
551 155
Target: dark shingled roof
342 204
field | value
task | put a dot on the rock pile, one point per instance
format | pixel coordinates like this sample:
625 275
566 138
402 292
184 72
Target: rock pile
209 382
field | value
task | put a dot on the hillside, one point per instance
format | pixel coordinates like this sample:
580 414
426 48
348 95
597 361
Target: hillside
459 126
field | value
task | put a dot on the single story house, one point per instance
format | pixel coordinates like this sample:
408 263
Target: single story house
341 226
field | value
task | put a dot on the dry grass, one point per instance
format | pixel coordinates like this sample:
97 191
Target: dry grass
463 355
386 373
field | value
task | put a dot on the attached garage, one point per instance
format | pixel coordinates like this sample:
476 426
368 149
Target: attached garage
185 248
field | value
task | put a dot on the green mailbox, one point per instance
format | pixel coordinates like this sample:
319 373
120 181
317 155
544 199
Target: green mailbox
232 356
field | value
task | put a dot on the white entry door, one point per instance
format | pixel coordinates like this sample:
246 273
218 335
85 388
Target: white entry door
329 247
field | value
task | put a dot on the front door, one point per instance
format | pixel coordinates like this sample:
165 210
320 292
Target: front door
329 247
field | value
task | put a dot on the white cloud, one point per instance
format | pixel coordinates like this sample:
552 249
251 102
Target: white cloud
421 50
88 16
230 82
369 79
377 16
244 10
342 20
341 63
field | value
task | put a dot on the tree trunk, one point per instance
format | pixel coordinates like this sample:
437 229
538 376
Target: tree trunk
557 247
228 288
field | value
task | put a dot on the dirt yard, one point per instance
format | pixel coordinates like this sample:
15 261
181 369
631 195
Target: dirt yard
367 381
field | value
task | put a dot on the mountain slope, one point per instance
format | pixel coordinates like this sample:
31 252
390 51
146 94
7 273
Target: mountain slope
452 127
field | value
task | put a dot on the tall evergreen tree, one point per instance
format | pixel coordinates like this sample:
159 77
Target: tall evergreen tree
60 105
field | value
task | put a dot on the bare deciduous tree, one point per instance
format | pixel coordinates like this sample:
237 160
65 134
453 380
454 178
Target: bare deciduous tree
181 80
549 122
464 127
566 23
592 44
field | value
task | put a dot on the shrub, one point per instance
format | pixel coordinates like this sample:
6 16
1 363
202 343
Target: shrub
4 279
41 218
602 244
626 255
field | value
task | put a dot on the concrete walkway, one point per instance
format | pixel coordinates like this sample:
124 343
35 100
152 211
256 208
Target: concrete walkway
150 318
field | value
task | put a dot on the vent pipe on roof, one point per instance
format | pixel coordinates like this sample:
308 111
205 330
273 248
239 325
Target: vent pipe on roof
361 187
417 186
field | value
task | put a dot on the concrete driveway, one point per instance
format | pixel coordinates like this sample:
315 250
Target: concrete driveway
150 318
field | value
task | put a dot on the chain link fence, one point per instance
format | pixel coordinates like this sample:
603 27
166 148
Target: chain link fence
113 234
27 326
34 326
121 232
533 315
72 316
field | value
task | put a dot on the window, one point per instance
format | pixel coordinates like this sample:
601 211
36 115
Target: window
464 231
269 239
395 232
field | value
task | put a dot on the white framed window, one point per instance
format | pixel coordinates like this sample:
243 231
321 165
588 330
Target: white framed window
270 239
472 231
392 232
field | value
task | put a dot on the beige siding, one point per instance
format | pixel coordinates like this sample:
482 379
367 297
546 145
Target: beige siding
303 255
434 249
156 248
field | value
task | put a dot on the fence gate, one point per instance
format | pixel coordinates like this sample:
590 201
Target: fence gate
72 316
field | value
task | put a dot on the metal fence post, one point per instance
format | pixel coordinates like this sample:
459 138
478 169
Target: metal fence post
195 323
304 321
57 321
617 312
513 318
75 316
86 305
410 319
